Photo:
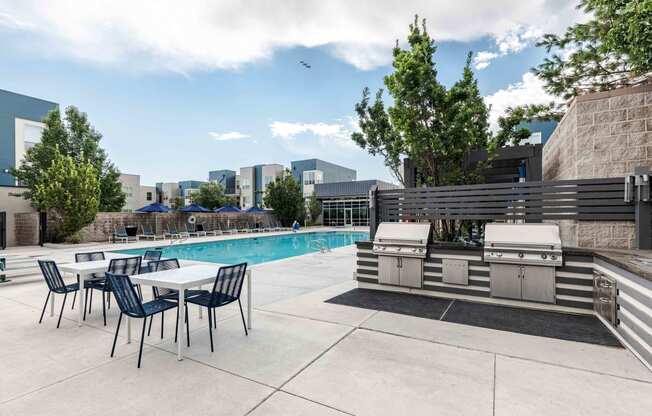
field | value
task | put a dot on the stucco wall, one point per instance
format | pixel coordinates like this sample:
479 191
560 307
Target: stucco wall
12 205
605 134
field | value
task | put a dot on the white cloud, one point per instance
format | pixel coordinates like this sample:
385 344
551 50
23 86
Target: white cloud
232 135
191 36
302 138
512 41
527 91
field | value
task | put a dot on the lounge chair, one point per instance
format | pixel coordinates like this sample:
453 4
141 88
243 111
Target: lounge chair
148 232
229 230
120 233
200 228
190 230
173 233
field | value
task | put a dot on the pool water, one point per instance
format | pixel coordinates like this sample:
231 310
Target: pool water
254 250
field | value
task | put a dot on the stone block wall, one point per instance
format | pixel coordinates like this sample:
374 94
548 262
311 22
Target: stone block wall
26 228
604 134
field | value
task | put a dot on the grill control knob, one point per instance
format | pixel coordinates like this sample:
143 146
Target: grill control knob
383 248
398 249
553 257
544 256
521 255
414 250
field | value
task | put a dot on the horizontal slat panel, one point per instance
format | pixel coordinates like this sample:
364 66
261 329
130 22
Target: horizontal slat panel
587 199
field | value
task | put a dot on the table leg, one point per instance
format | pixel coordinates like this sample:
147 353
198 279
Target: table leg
52 304
249 299
181 323
128 330
81 280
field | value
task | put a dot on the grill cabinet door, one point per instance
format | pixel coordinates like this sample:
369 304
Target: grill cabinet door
539 284
388 271
505 280
411 274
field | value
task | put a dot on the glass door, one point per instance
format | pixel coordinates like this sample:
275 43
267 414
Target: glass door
348 217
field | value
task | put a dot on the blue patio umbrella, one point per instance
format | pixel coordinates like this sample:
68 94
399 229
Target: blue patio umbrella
255 210
228 208
194 208
155 207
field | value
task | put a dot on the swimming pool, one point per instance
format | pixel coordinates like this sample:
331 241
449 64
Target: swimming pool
255 250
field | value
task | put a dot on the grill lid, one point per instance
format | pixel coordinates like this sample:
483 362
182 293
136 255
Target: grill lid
522 235
403 233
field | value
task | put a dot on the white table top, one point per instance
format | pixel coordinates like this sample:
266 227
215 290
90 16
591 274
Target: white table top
182 278
89 267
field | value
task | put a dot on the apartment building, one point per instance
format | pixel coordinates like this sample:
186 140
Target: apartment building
254 180
313 171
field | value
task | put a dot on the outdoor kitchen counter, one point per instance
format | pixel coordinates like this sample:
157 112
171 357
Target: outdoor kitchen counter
638 262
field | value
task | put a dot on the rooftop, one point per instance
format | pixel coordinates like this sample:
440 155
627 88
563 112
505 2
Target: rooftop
303 356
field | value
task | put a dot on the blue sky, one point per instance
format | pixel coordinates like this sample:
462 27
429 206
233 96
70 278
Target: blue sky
174 106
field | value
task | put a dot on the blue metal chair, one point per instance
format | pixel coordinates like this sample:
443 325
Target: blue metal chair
152 255
131 305
95 277
55 284
127 266
170 294
226 289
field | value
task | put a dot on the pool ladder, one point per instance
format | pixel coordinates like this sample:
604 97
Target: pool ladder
320 244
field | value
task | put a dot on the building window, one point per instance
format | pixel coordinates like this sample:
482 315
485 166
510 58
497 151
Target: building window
245 184
267 180
148 196
31 135
339 213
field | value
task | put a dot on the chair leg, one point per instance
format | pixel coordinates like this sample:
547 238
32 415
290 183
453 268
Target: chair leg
74 298
142 338
115 338
104 307
187 326
90 303
149 330
85 303
243 320
214 319
63 305
162 323
45 306
210 327
108 300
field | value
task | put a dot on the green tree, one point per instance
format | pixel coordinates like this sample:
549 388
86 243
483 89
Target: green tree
285 198
613 49
69 191
74 137
434 126
211 195
177 202
314 208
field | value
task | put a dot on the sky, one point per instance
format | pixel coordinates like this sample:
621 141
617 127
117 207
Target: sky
181 88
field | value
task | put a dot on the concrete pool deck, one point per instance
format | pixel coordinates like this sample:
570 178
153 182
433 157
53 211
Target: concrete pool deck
303 356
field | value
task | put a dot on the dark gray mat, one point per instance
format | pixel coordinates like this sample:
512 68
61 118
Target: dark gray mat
404 304
527 321
523 321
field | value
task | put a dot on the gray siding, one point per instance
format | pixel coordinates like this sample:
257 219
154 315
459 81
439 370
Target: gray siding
349 189
14 106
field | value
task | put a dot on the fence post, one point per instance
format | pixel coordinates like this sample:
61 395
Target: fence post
643 215
373 211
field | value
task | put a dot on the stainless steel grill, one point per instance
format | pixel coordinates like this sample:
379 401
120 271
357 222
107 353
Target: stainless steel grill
401 248
404 239
522 260
536 244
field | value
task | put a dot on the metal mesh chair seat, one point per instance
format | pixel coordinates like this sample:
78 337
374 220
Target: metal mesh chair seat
92 256
152 255
206 299
174 294
157 305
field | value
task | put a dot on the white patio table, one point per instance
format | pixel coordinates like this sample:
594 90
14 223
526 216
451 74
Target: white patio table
180 280
83 270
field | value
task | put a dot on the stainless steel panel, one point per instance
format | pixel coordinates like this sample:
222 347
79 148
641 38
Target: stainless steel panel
604 297
538 283
455 271
411 272
388 271
505 280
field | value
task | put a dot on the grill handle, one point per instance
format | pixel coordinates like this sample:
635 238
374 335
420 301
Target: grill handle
521 246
